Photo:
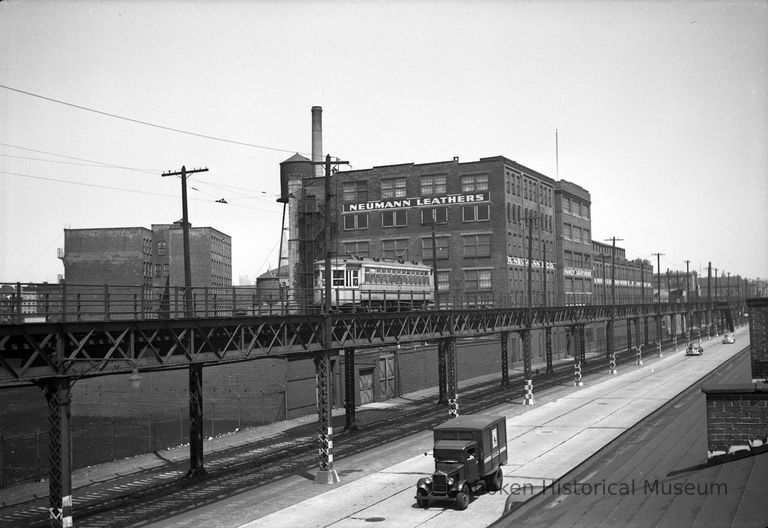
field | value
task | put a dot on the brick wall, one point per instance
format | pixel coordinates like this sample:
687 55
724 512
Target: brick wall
251 392
737 418
758 336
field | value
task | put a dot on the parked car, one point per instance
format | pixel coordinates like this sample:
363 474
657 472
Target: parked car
468 451
728 339
694 349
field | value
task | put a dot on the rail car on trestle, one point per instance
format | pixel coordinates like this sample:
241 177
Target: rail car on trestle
375 284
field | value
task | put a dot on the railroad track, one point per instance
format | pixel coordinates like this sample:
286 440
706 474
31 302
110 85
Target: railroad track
148 496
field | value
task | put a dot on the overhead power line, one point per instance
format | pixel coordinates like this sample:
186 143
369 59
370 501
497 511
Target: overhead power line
85 184
146 123
128 190
96 163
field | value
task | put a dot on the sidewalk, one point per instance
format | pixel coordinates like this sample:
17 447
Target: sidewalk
545 442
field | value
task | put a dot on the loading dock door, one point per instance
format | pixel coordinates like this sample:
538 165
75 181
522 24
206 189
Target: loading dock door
387 376
366 386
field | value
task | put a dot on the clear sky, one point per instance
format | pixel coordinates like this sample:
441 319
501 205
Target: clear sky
661 110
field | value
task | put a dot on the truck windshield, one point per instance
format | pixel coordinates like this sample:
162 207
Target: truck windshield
448 457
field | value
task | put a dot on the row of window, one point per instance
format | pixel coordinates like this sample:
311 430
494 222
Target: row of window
399 217
516 214
474 280
575 284
577 260
530 190
575 207
376 275
146 246
621 272
434 185
473 246
576 233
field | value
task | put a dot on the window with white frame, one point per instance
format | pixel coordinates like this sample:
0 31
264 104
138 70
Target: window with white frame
355 221
476 245
354 191
393 188
474 183
477 280
476 213
431 185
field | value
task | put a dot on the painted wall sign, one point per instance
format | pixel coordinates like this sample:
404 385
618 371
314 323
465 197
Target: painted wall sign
576 272
519 261
417 202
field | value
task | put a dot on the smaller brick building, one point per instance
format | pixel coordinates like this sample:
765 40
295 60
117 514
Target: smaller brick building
119 272
132 256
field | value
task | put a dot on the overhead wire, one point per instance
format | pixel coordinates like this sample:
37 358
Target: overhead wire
145 123
98 163
102 164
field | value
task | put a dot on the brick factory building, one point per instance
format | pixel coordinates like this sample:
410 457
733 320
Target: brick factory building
479 209
119 272
130 256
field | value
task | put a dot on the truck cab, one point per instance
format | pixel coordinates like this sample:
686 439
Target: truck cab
468 452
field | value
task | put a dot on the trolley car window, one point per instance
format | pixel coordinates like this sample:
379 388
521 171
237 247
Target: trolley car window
338 278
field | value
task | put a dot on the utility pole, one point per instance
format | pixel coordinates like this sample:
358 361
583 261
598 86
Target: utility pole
605 282
184 173
609 327
658 301
527 372
688 314
434 257
326 474
613 268
658 276
709 300
195 374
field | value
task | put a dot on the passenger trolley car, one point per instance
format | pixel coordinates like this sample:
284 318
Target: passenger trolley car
375 284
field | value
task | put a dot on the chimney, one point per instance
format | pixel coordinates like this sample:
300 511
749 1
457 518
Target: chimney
317 139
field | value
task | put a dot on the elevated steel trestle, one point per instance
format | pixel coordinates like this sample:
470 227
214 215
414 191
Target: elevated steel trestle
52 355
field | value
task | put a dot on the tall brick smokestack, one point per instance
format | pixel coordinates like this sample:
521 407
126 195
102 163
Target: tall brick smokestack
317 139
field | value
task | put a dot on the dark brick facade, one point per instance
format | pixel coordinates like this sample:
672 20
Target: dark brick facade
132 256
737 418
758 336
114 256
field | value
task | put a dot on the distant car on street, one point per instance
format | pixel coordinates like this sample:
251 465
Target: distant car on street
694 349
728 339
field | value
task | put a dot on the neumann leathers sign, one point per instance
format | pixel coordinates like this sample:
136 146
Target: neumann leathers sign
449 199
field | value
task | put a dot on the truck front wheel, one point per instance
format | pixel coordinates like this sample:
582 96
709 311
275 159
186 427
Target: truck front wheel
421 498
462 498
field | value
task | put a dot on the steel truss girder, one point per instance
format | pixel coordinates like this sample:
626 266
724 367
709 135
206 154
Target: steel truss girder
28 351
